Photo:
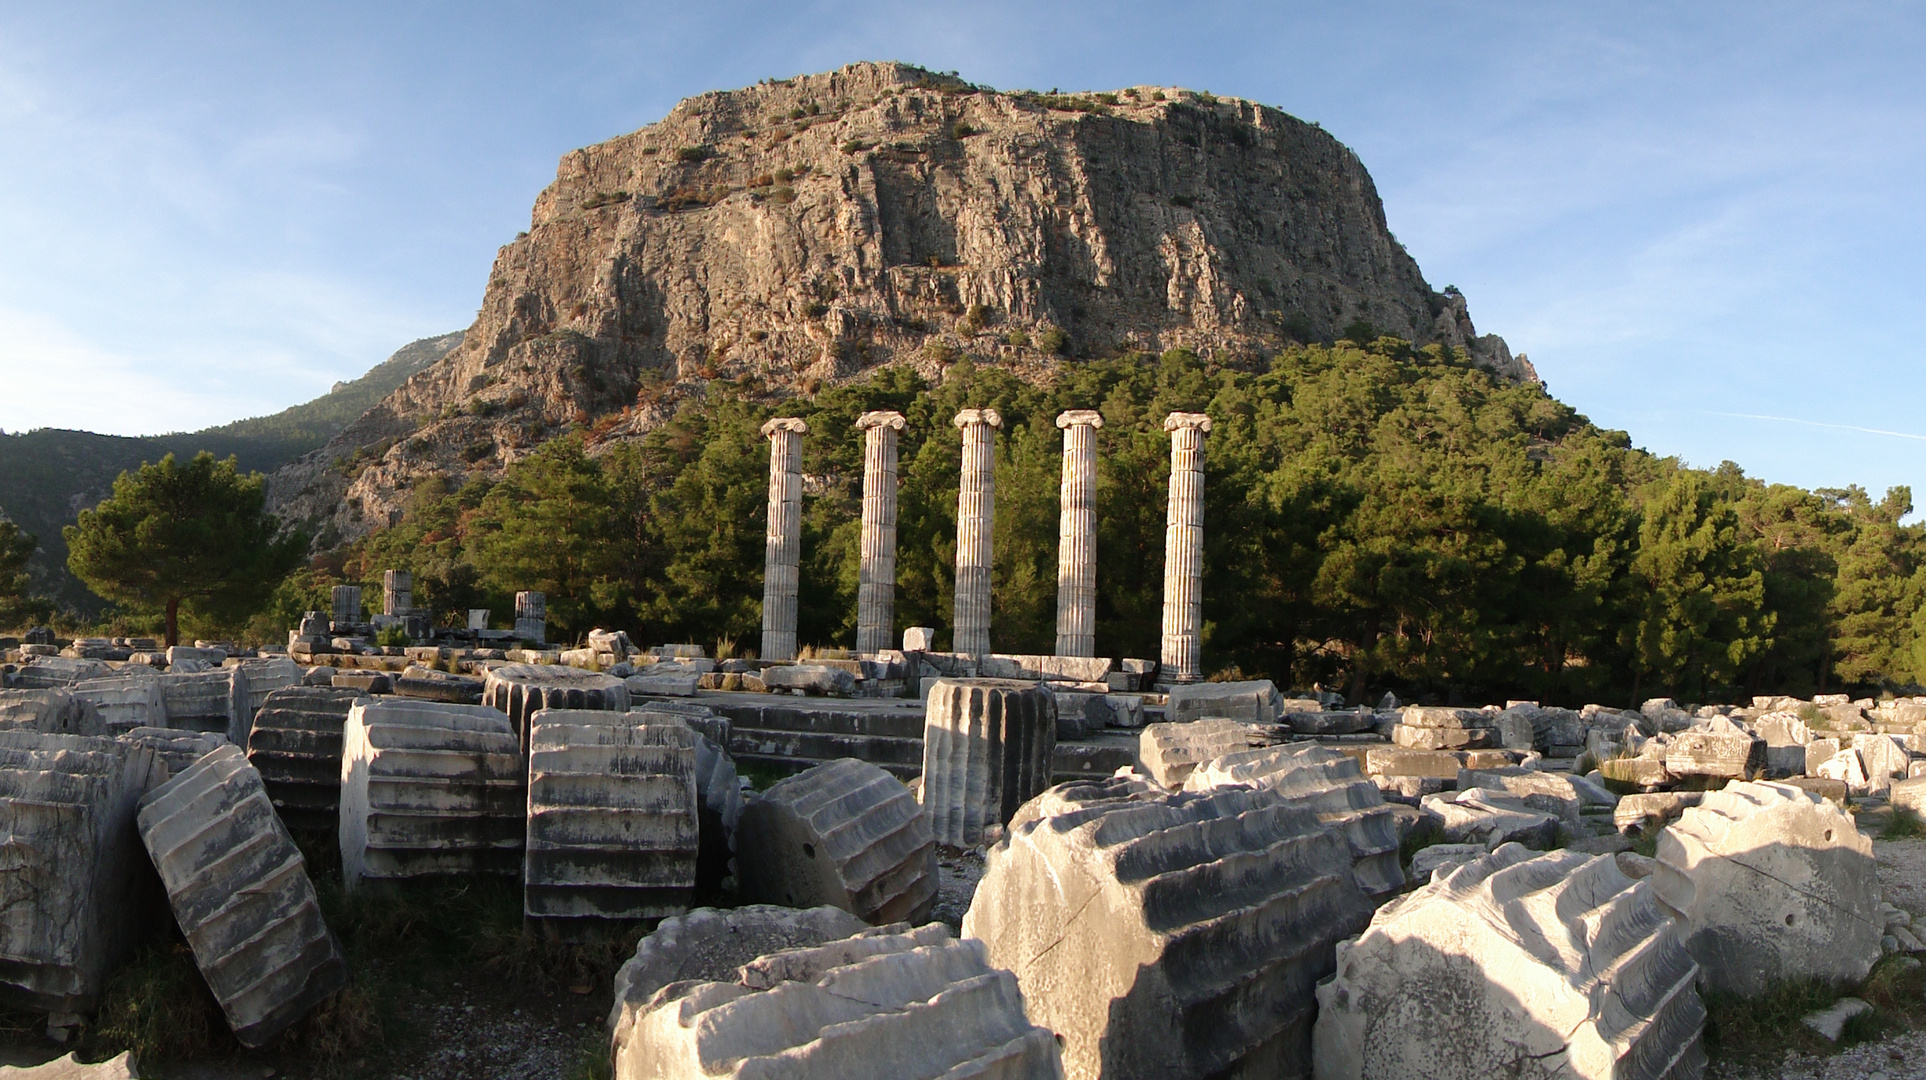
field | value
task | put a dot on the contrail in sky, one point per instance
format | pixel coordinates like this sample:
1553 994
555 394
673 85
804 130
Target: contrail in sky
1815 423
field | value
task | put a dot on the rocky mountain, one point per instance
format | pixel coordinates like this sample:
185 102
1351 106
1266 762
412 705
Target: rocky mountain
48 475
806 230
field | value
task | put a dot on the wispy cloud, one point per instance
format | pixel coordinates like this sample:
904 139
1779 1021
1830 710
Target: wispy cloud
1814 423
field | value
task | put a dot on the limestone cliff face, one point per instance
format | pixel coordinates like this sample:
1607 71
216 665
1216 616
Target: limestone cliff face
807 230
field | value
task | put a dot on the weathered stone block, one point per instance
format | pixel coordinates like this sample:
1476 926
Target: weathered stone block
426 684
612 816
1479 816
266 676
1413 737
175 749
522 690
1168 752
1256 702
1430 764
919 639
1323 722
665 684
207 701
240 892
1170 936
1427 861
55 672
1519 964
1647 813
884 1005
843 833
296 747
364 683
810 678
1644 771
427 789
1770 883
987 749
1551 793
1332 786
72 905
1722 749
211 657
51 712
710 945
1884 757
1432 716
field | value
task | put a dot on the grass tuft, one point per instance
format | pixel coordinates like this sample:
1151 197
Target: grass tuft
1423 834
159 1007
1905 824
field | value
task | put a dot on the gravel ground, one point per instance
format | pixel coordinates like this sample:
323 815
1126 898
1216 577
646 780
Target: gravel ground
1902 1057
957 875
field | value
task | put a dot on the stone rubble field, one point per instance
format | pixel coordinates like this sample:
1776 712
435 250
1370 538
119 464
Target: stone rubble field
922 864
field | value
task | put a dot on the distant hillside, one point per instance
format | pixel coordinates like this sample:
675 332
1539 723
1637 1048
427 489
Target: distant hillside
47 476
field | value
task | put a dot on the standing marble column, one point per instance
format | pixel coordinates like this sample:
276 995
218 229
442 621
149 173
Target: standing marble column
1077 535
1184 548
782 544
876 577
975 522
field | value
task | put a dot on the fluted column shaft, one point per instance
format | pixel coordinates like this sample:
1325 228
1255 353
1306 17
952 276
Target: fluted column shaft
782 543
1184 549
876 577
1077 535
975 525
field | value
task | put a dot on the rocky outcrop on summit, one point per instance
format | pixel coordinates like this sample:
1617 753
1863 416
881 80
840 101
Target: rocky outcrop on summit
806 230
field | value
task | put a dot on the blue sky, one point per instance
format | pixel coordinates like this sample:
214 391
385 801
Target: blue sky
1703 222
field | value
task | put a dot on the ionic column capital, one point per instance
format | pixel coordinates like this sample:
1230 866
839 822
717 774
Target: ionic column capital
978 416
784 423
1080 417
880 418
1187 420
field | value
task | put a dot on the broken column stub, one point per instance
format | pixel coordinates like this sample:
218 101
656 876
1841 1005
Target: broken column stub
429 789
1516 964
123 702
1332 786
72 905
782 541
531 616
1769 883
612 816
975 530
1168 752
241 894
55 712
176 749
987 749
843 833
296 747
887 1004
876 571
1077 535
709 945
397 593
1184 550
1169 935
347 606
522 690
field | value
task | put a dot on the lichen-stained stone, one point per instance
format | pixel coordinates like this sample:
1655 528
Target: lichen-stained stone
895 1004
296 745
987 747
1770 882
240 892
71 900
265 676
1168 752
1254 702
208 701
176 749
612 818
1330 785
709 945
522 690
843 833
50 712
1516 964
429 789
56 672
1169 935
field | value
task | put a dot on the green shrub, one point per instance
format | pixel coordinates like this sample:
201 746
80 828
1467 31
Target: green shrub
961 130
1017 338
693 154
1054 341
